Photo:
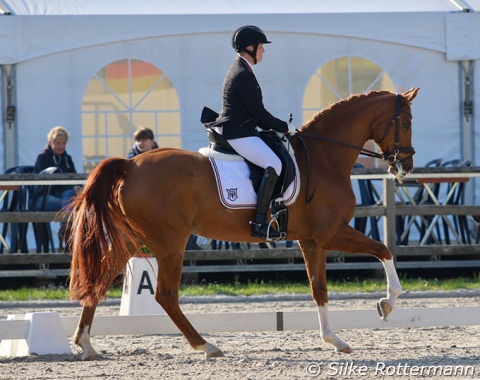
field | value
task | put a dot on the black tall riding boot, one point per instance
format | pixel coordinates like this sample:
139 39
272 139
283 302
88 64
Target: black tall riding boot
260 225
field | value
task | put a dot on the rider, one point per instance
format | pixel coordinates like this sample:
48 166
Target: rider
243 111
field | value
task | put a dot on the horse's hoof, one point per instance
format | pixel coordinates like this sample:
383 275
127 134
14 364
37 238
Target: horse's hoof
345 350
90 357
89 353
210 350
216 354
384 309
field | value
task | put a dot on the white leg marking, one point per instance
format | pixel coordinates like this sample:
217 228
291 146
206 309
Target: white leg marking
327 333
394 289
88 351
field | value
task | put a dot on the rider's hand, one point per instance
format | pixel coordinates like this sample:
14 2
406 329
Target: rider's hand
291 129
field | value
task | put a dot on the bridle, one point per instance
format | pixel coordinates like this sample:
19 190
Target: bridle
390 157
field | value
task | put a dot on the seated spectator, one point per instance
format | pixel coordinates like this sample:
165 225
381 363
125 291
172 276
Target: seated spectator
55 158
144 141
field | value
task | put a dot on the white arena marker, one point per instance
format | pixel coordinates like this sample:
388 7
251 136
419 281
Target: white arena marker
46 335
8 346
139 288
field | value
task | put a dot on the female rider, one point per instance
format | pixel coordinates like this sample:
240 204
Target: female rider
243 111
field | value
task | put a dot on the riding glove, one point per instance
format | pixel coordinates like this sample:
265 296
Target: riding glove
291 129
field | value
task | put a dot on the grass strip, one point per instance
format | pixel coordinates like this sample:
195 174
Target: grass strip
260 288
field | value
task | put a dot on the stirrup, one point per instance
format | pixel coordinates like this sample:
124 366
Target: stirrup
266 235
283 235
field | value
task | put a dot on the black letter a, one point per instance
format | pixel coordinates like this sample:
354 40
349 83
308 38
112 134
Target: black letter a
148 284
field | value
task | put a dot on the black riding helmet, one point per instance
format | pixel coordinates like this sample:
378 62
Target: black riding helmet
248 35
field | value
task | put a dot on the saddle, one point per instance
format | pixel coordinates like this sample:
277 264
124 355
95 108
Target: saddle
271 138
275 142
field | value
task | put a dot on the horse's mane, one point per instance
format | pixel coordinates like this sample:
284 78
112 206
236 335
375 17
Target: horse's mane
339 106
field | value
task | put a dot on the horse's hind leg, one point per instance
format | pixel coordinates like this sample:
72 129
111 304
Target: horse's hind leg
82 334
168 281
81 337
315 262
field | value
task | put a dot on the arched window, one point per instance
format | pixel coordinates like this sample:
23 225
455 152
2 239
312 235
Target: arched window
121 97
339 79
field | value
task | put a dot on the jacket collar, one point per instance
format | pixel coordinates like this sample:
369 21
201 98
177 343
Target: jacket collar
246 63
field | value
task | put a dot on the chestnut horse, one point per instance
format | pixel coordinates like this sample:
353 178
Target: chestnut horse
159 198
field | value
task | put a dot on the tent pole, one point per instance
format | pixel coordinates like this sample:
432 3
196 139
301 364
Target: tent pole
467 120
8 72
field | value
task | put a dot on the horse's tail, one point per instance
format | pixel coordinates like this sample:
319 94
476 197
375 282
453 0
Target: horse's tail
102 235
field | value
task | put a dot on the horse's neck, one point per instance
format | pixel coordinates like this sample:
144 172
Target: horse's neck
338 143
341 133
355 126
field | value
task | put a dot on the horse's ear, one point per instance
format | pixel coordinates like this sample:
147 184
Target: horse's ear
410 94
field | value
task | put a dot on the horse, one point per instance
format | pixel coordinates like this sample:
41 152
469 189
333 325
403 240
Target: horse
159 198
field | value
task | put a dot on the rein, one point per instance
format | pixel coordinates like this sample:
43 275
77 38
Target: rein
308 199
389 157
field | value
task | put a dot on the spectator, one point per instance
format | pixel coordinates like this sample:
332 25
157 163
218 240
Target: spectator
56 159
144 141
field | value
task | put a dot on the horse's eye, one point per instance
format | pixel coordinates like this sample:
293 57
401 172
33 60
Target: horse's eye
407 125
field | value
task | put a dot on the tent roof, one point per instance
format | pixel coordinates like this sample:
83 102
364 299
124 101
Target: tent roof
38 28
164 7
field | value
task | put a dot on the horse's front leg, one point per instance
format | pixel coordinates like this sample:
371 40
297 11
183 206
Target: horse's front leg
82 334
315 262
394 289
352 241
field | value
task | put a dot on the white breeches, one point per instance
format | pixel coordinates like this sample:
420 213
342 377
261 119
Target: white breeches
253 149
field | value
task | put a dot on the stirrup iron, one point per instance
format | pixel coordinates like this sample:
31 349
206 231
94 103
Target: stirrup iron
274 220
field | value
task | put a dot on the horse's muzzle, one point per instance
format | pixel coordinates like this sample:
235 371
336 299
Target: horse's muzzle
401 169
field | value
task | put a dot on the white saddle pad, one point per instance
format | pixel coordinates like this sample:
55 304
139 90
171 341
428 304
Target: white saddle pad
233 183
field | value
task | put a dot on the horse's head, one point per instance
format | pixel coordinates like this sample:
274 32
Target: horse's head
396 140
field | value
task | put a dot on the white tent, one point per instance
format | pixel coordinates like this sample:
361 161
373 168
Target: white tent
49 50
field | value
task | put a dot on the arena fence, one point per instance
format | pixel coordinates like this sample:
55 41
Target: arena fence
454 255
